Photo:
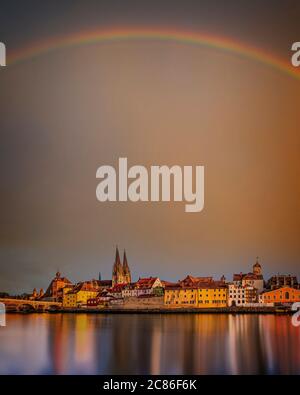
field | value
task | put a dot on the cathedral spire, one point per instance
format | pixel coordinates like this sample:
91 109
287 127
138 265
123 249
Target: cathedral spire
125 263
117 259
117 268
121 272
126 270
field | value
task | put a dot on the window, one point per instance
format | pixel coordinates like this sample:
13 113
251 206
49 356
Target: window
287 295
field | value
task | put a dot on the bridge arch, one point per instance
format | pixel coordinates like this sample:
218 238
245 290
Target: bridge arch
54 307
26 307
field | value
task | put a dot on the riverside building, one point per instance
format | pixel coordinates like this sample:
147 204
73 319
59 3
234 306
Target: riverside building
200 292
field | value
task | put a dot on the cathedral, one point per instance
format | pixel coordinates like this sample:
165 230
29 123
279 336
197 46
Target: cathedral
121 272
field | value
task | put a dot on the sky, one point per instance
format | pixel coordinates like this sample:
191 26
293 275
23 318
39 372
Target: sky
66 112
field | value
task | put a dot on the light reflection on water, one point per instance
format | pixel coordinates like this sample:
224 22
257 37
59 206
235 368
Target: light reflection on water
149 344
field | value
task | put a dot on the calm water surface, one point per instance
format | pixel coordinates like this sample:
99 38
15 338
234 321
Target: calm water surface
149 344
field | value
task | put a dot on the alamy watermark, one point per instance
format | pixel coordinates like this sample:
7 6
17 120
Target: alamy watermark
296 56
2 54
2 314
295 317
161 183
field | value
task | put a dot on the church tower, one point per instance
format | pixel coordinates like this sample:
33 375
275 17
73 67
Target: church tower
121 272
257 268
117 273
126 270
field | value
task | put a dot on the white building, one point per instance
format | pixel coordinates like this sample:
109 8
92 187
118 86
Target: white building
253 279
143 287
241 295
129 291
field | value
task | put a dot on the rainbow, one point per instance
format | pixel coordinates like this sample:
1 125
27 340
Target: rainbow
167 35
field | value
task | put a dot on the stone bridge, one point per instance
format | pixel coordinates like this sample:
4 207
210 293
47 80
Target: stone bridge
30 305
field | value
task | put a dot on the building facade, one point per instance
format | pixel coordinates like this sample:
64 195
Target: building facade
241 295
116 291
212 295
254 279
201 294
55 290
284 295
80 294
177 295
282 280
149 286
129 291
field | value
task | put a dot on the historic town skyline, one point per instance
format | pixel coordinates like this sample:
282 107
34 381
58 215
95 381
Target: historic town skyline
149 192
68 110
104 271
246 290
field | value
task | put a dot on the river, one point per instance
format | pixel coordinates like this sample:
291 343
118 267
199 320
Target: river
149 344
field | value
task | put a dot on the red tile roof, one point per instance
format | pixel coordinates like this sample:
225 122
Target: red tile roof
247 276
144 283
191 281
167 283
117 288
56 279
103 283
84 286
197 285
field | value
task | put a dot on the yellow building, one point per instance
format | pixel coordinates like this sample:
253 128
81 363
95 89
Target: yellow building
175 295
210 296
201 294
79 295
